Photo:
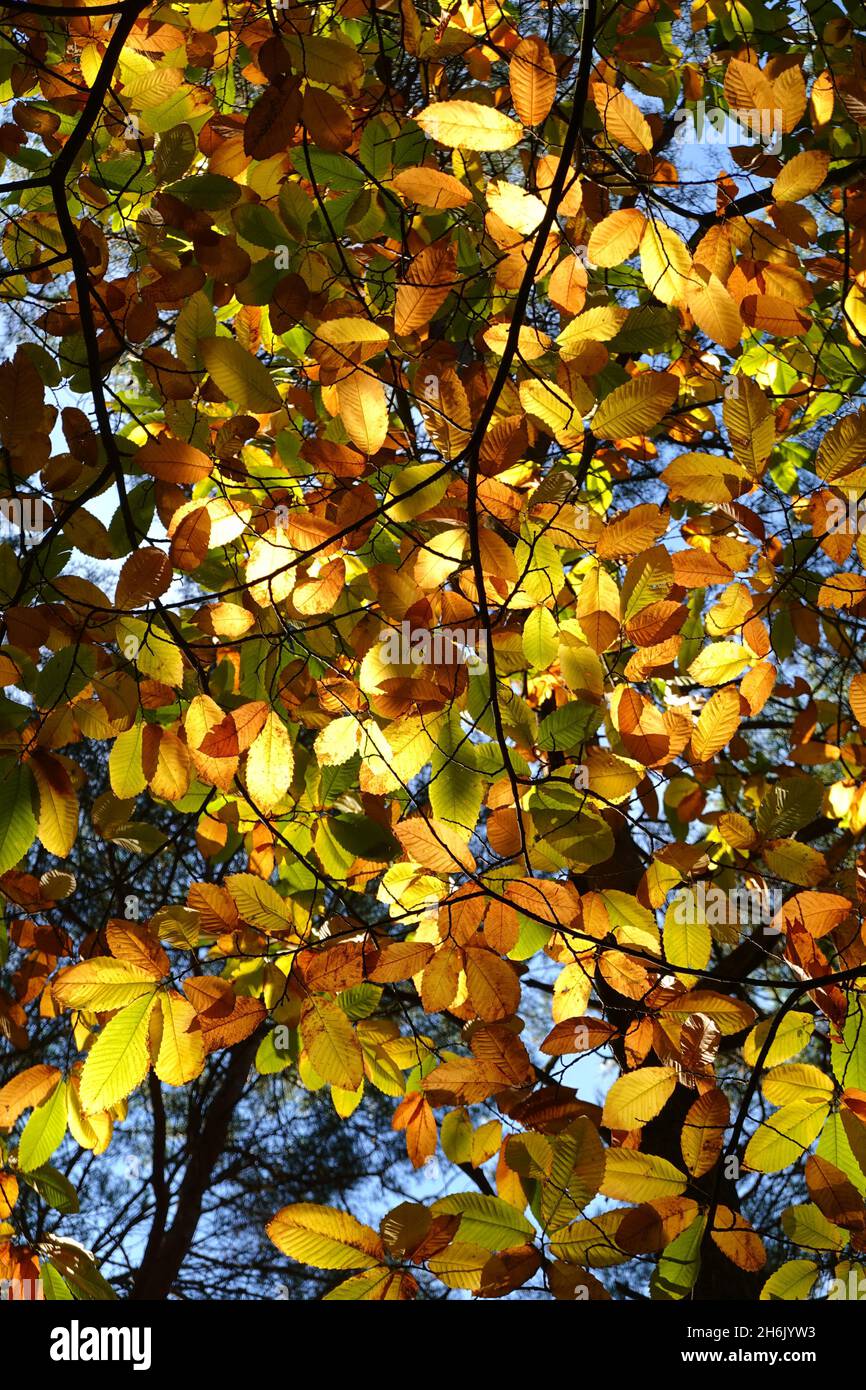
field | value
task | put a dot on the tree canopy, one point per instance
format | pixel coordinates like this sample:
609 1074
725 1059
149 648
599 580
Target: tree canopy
434 481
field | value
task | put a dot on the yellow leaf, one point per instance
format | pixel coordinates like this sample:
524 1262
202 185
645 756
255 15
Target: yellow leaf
637 1097
430 188
532 79
843 447
639 1177
794 1081
324 1238
785 1137
8 1194
823 97
796 862
28 1088
636 406
591 1242
58 805
704 1132
735 1238
339 741
103 983
747 89
718 722
750 424
414 489
802 175
560 415
468 125
353 339
705 478
119 1059
713 309
621 120
429 280
446 412
686 943
181 1054
270 571
331 1044
598 609
731 1015
791 1282
597 325
616 237
270 764
363 410
521 211
531 344
720 662
154 652
125 769
259 903
322 58
665 263
790 1037
789 89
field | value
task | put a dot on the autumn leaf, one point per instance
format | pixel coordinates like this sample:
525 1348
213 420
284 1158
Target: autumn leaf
469 125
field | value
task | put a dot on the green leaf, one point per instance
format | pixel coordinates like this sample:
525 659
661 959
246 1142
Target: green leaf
17 821
785 1136
568 727
174 153
268 1060
455 788
44 1131
540 638
333 170
259 226
54 1188
64 675
576 1173
835 1146
486 1221
54 1286
456 1136
848 1057
592 1241
119 1059
680 1262
206 192
154 652
792 1281
241 377
576 835
138 837
788 806
80 1272
125 769
807 1225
